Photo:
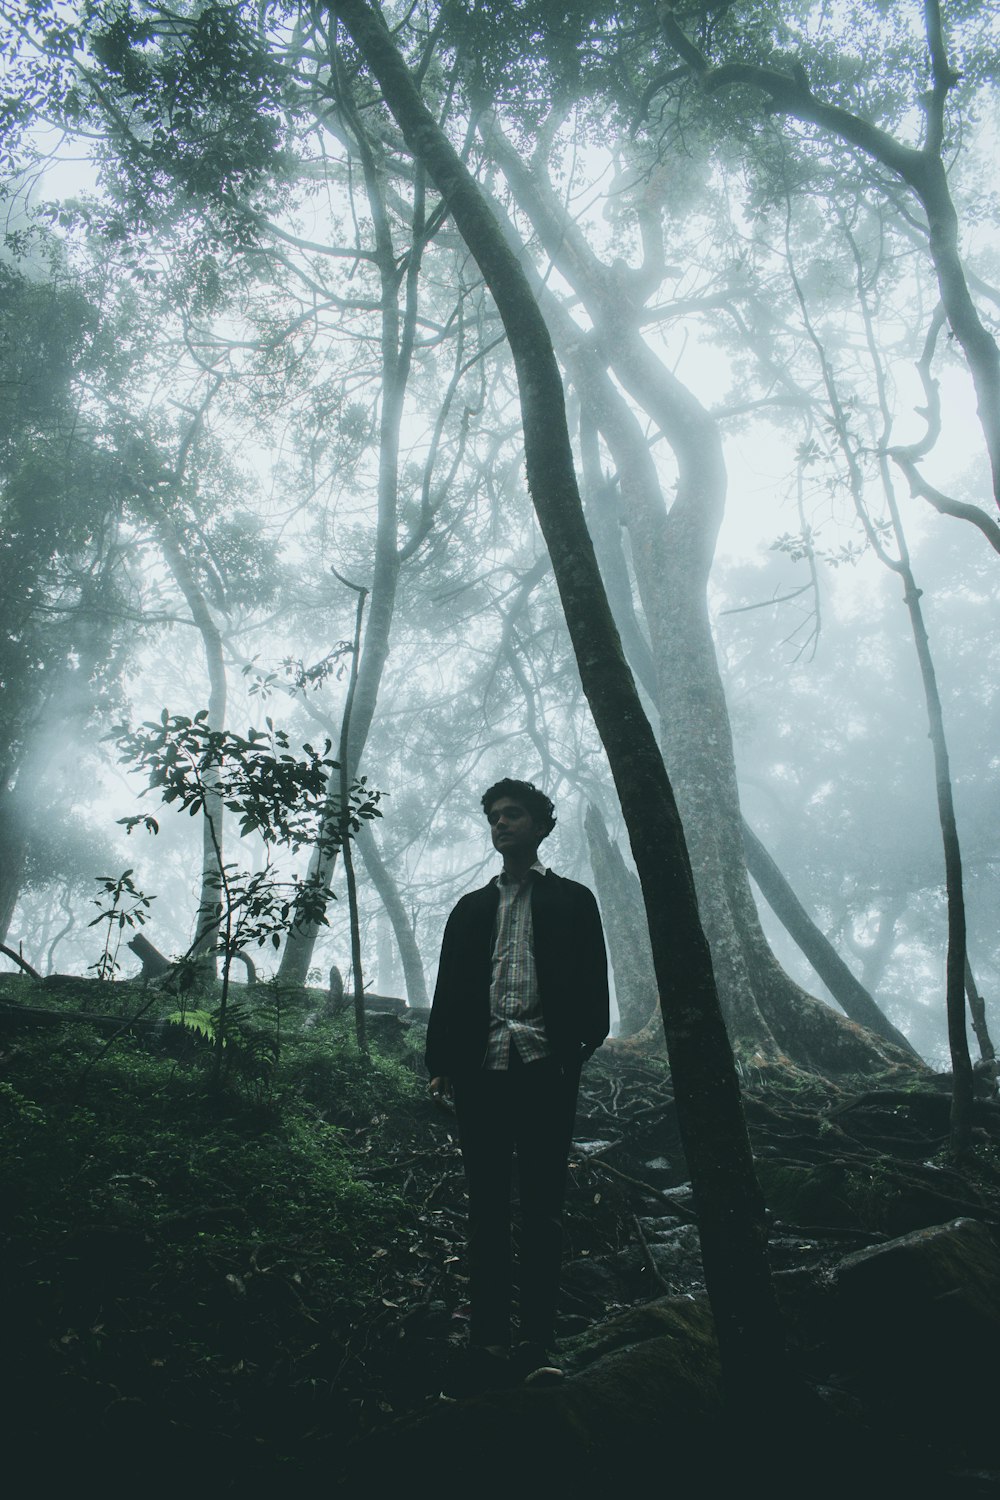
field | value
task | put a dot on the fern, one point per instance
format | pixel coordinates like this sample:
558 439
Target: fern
201 1021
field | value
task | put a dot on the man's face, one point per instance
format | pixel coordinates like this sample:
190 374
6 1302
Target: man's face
515 832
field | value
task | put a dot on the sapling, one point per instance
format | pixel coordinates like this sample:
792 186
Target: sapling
273 793
126 908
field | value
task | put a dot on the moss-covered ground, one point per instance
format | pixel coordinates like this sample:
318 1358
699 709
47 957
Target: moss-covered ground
221 1289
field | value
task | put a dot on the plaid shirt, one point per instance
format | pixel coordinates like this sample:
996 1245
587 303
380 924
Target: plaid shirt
515 1003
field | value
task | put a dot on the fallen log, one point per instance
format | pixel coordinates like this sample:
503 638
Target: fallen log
36 1016
156 964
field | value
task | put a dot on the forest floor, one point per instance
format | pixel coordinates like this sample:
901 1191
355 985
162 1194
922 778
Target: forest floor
231 1291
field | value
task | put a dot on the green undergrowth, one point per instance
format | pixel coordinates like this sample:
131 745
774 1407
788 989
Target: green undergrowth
170 1247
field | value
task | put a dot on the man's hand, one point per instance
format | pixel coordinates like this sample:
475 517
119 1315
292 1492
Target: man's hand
441 1091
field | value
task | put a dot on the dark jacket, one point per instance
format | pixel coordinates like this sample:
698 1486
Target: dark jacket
570 960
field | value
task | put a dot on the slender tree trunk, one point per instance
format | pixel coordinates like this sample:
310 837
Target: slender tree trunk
977 1010
384 882
955 963
730 1207
212 855
70 915
360 1023
619 895
606 519
397 337
958 1039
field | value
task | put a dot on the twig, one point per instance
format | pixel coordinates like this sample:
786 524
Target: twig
647 1256
675 1208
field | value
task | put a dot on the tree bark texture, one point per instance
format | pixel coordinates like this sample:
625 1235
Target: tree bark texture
730 1207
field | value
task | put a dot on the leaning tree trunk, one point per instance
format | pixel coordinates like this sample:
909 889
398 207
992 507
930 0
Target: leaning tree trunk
849 992
730 1206
977 1010
409 953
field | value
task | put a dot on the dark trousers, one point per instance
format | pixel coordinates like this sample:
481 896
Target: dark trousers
526 1112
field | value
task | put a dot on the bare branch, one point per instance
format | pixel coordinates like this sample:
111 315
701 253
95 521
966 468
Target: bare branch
744 609
944 503
23 962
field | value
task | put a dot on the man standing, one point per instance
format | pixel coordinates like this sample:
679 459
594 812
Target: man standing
521 1001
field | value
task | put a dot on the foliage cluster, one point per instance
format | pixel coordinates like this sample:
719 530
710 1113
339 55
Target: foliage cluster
177 1244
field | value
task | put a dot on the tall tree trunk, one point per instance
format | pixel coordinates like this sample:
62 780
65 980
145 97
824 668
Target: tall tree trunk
768 1015
344 800
385 884
13 853
958 1039
730 1207
206 933
955 962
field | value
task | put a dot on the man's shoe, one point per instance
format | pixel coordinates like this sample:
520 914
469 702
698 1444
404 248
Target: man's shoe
482 1368
535 1365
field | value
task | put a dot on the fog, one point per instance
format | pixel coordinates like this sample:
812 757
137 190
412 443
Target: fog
248 363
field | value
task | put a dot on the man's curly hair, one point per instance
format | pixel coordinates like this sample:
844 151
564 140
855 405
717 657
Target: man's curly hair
531 799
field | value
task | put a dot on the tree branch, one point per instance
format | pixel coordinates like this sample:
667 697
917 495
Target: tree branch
944 503
23 962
